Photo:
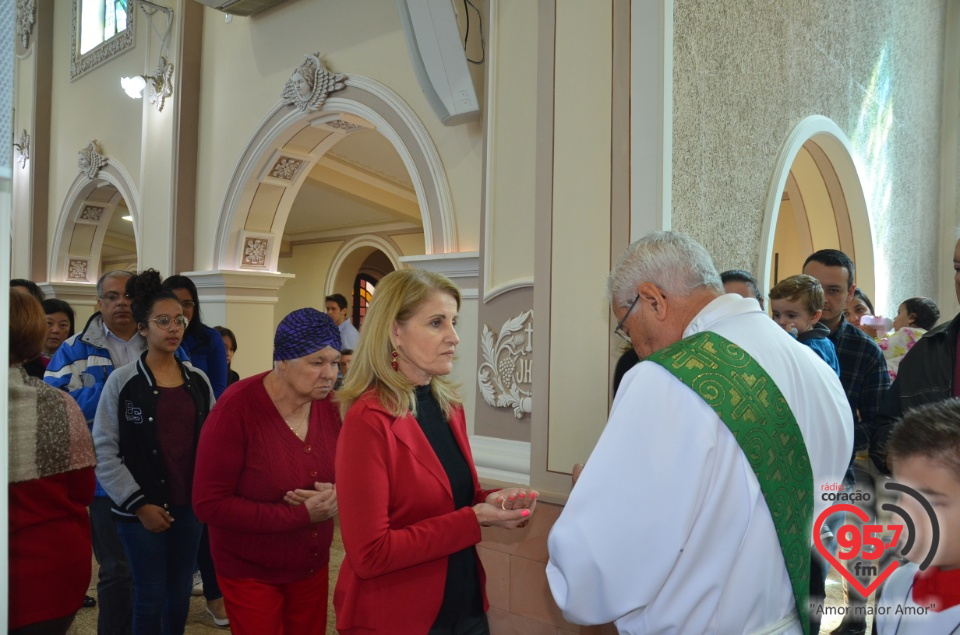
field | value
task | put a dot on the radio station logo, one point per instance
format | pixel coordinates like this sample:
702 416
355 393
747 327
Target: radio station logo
869 543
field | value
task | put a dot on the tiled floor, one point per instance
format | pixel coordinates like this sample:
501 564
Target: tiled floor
498 590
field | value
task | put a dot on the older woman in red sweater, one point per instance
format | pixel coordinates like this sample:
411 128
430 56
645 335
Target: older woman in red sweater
51 484
264 483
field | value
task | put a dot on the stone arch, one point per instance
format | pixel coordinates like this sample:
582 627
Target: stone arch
83 220
819 141
286 146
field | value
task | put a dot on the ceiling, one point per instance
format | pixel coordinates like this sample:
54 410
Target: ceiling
360 185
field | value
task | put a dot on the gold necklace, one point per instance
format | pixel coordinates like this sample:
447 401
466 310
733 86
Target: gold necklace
296 429
175 383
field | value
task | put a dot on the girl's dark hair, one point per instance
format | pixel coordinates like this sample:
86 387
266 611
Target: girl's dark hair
860 295
195 328
53 305
924 311
146 289
225 332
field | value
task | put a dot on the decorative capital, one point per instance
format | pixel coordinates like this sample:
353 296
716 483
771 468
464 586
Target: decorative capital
26 18
310 84
77 270
92 213
162 82
255 250
505 376
91 160
22 146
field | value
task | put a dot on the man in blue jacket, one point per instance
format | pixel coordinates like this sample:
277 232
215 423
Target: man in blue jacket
81 366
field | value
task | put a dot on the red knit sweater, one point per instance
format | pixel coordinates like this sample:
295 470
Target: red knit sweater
50 554
246 461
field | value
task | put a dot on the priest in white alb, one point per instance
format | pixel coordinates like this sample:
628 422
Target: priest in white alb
693 514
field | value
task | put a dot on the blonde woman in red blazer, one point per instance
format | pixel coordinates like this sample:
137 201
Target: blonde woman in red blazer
410 502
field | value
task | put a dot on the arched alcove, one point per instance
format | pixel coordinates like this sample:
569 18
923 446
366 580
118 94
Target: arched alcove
287 146
84 220
351 256
815 201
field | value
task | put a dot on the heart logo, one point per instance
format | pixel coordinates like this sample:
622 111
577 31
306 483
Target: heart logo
865 591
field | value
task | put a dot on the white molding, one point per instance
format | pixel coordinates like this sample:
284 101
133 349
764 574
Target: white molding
248 280
501 459
367 240
512 285
651 116
330 235
490 126
76 293
465 264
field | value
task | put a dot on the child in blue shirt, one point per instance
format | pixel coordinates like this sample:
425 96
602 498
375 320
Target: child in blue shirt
797 304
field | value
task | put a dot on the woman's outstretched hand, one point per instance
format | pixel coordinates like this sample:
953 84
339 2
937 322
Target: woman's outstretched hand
507 508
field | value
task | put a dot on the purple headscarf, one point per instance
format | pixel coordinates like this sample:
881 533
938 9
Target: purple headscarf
304 331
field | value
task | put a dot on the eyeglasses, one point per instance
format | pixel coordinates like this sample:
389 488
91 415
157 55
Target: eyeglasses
114 297
166 322
619 332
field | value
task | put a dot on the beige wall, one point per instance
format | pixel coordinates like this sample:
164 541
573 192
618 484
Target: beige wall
310 264
746 73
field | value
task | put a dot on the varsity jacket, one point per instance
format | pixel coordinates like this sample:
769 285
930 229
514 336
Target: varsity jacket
925 376
129 463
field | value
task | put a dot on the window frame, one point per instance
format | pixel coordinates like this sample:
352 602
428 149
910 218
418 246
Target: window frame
81 63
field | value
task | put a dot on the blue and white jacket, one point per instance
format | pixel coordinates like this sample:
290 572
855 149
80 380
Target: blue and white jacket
81 366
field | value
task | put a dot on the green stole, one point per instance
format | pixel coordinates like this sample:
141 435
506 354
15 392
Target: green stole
748 401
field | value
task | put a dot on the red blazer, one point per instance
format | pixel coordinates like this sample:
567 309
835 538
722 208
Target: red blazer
397 520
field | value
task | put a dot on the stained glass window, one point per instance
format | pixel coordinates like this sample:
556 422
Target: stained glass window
363 288
100 20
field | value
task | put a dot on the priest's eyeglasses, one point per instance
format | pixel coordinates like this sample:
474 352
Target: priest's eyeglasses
619 332
166 322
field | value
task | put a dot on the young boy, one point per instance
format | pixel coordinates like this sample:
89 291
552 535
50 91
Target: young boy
924 453
797 304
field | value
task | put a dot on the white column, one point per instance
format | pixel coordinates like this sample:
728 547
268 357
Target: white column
244 302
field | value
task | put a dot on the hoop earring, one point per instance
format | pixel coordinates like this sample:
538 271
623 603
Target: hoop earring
394 364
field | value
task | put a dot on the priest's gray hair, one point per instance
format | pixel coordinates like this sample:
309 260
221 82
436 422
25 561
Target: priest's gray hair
674 262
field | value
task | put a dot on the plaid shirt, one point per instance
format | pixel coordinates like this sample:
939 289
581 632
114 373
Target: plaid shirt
863 373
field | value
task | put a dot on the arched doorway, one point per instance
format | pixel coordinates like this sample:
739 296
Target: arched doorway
97 229
816 201
290 148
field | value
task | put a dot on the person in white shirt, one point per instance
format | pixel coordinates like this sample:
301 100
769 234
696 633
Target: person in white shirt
336 306
667 530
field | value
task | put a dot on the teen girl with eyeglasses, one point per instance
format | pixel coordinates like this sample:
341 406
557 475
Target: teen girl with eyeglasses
145 433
